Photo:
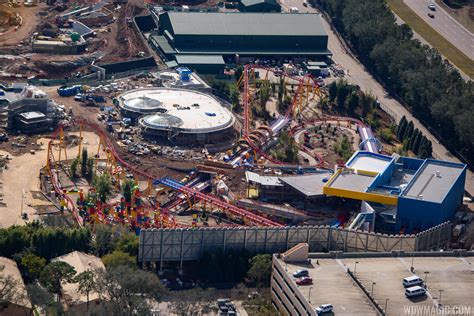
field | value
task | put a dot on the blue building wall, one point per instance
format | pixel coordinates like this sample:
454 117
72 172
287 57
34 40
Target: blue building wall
383 178
415 215
412 163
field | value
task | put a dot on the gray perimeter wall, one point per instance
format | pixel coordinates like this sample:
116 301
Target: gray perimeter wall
158 245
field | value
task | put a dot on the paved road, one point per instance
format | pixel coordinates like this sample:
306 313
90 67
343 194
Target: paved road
357 74
445 25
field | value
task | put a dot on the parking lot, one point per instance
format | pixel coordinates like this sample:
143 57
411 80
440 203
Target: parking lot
448 281
332 285
453 276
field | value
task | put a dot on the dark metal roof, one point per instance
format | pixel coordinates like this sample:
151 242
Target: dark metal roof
249 3
252 24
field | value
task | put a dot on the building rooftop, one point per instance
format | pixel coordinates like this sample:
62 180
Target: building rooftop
253 24
188 110
81 262
32 115
368 161
248 3
333 285
200 59
11 269
262 180
433 180
351 180
309 185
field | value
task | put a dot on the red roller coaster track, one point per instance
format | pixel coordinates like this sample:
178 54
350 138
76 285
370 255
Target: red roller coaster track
246 215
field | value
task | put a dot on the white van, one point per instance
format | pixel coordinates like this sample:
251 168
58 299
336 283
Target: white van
412 281
414 291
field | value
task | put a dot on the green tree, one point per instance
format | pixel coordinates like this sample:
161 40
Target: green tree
118 258
402 128
85 281
343 90
84 162
32 265
39 296
409 131
74 166
127 290
103 185
260 270
332 91
426 149
411 140
353 102
343 148
55 274
387 135
416 143
235 99
90 169
128 243
238 72
127 188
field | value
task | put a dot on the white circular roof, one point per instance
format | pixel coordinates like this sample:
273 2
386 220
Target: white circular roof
189 111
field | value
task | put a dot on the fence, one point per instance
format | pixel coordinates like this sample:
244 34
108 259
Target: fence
158 245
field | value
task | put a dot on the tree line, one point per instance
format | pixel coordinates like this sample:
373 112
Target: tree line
413 139
431 87
123 288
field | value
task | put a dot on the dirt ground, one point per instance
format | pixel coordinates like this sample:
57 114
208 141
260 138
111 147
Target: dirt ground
30 22
23 174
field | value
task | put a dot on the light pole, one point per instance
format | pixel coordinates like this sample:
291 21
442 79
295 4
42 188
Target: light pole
386 305
355 266
412 259
439 301
22 202
309 294
372 289
426 278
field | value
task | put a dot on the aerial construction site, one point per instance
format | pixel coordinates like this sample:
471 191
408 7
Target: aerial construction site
217 131
147 131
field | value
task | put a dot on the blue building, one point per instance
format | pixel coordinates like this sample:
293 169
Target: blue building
406 195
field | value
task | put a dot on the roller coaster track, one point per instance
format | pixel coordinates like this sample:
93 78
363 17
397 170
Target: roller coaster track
236 211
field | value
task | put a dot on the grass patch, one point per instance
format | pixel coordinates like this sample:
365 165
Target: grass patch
419 26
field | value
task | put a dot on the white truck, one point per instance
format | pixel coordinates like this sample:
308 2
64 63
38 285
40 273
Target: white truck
294 10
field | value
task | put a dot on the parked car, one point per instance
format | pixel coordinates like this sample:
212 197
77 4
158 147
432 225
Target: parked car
415 291
432 7
412 281
324 308
304 281
431 15
300 273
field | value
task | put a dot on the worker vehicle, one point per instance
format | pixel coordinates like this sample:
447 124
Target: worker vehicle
415 291
412 281
323 308
300 273
304 281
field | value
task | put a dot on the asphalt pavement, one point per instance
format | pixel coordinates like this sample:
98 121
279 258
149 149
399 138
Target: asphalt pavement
445 25
357 74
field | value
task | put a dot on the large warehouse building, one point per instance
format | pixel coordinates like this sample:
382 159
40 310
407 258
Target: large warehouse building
234 35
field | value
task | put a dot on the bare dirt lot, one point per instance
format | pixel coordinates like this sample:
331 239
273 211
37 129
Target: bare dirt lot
30 21
22 175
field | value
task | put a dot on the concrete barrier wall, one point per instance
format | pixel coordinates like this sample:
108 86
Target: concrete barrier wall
158 245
